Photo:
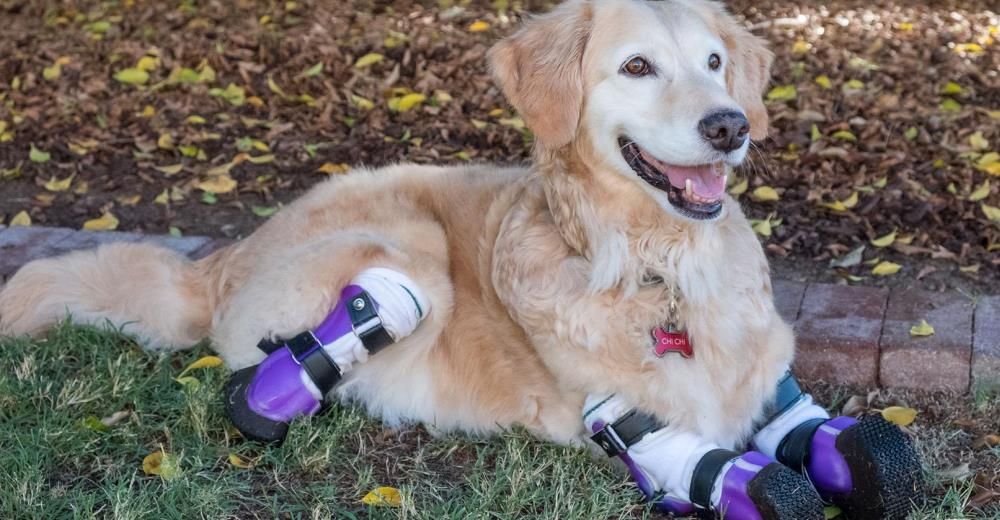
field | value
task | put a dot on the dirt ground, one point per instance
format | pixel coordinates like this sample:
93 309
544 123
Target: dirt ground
204 118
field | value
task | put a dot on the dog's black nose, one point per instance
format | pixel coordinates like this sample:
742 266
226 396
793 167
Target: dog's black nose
725 130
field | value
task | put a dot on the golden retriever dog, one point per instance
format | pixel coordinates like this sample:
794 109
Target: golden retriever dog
544 282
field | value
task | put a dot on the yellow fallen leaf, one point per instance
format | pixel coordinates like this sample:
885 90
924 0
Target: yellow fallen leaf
383 496
991 212
217 184
885 240
331 168
987 159
204 362
823 81
978 142
162 464
886 268
800 47
132 76
478 26
165 141
831 512
981 192
952 89
899 415
52 72
764 194
922 329
106 222
969 48
21 219
238 461
477 124
148 63
905 26
368 60
260 146
128 200
168 170
845 135
273 87
148 111
950 105
59 185
37 155
407 102
739 188
496 112
762 227
853 84
261 159
195 120
222 169
188 382
255 101
514 122
782 93
362 103
851 201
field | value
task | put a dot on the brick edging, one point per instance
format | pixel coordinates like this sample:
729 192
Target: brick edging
846 334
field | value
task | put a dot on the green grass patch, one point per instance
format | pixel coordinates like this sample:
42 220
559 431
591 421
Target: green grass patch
56 461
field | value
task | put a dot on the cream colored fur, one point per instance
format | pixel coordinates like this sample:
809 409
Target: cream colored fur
543 281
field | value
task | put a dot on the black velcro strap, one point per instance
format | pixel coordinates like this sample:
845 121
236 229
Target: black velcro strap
269 346
705 473
787 395
615 438
302 344
321 368
367 323
793 451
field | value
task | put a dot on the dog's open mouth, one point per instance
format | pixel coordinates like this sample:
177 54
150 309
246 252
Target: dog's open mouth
695 191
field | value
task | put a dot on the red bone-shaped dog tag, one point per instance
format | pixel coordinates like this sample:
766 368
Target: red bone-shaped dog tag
670 339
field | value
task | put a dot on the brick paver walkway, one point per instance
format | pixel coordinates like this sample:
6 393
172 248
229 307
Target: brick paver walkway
846 334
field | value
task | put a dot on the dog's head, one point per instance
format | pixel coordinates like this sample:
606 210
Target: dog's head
668 92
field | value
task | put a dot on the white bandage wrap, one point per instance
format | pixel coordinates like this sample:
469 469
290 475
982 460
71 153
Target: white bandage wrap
401 306
770 436
667 457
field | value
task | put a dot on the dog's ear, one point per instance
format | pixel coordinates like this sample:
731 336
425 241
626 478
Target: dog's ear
748 71
540 69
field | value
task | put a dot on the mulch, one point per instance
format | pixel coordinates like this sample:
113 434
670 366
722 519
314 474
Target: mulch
889 128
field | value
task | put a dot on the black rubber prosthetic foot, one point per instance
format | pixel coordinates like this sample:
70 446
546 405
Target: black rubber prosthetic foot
780 493
885 469
251 425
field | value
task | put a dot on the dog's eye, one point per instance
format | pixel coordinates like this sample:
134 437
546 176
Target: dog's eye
714 61
637 66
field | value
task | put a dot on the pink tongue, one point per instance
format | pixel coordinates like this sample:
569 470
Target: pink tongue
705 180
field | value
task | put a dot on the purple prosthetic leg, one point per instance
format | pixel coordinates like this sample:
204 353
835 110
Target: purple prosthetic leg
297 374
750 486
868 467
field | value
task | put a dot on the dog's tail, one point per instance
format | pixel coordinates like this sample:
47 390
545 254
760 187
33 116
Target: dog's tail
156 294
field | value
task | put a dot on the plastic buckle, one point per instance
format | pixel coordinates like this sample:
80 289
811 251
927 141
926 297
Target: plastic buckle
367 324
609 441
302 344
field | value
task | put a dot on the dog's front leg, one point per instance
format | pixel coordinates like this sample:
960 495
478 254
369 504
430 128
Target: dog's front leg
683 472
869 468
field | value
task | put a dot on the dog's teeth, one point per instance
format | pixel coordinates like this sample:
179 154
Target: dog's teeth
688 189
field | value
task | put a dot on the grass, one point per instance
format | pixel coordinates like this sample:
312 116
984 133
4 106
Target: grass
54 464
